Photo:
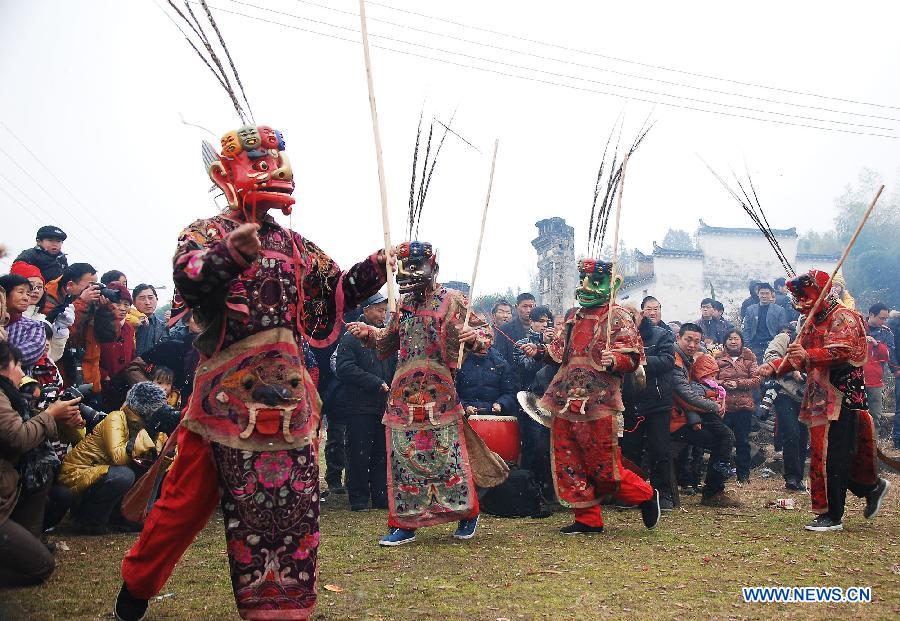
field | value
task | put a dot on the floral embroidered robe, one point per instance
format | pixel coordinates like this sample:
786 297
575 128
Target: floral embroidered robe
256 312
429 475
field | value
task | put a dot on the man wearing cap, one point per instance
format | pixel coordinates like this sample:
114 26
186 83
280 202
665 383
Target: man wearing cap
47 254
365 380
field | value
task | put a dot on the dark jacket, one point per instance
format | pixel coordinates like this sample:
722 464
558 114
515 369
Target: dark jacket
776 319
690 396
51 266
659 349
361 374
716 329
784 301
485 380
512 331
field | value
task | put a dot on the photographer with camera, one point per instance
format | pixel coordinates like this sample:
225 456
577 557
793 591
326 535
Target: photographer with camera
789 395
27 462
99 469
66 303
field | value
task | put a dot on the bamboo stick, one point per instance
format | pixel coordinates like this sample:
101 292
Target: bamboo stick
615 257
487 202
385 219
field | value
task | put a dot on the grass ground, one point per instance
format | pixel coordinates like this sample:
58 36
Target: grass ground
692 566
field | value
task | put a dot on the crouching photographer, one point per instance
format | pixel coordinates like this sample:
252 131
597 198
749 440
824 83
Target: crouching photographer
101 468
27 464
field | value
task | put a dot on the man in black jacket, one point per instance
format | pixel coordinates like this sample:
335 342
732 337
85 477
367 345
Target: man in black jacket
485 385
366 381
47 255
515 330
647 409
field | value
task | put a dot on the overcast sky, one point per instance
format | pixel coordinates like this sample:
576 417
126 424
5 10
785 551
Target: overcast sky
95 89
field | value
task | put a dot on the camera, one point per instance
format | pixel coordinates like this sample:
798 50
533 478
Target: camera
164 420
91 416
113 295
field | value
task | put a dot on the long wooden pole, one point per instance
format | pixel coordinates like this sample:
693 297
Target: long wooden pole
615 257
385 219
487 201
810 317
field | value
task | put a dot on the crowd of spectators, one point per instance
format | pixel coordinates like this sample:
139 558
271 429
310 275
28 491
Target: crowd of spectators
91 382
93 376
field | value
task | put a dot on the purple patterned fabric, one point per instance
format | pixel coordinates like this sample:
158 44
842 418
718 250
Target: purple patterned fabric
28 336
270 503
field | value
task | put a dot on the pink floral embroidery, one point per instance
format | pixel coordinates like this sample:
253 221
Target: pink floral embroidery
454 480
240 552
305 546
273 469
423 441
194 265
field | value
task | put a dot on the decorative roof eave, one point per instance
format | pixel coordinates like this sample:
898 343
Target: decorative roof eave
810 256
659 251
631 283
740 231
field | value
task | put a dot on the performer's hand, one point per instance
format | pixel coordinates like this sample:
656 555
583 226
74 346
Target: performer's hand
871 340
358 329
467 335
607 359
697 426
797 355
765 370
496 408
245 239
385 387
389 259
798 376
530 350
471 410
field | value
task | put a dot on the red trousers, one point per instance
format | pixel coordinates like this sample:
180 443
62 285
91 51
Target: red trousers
190 495
587 466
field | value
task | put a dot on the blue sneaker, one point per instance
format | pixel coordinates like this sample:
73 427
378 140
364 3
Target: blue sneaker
397 537
466 528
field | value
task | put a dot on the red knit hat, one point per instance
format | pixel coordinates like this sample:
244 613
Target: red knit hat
126 295
26 270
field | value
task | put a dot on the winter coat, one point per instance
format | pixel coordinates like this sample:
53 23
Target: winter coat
691 400
17 437
114 442
51 266
716 329
515 331
485 380
776 319
742 371
361 375
879 355
659 350
787 385
750 301
149 336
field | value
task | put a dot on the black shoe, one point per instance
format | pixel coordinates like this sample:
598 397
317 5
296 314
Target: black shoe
337 489
51 547
650 511
875 497
665 503
128 607
577 528
743 479
824 523
794 485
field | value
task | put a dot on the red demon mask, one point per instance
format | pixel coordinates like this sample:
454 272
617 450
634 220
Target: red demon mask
806 289
252 171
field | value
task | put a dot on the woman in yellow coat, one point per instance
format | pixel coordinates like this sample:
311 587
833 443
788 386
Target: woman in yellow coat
98 468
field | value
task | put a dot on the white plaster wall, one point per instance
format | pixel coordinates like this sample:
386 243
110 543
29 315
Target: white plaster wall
678 287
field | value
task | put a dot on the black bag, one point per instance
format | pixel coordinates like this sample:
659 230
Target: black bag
518 496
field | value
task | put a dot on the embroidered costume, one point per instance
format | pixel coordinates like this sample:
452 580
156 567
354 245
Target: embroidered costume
584 400
834 407
250 426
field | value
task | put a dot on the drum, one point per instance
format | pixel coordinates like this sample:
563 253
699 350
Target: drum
500 433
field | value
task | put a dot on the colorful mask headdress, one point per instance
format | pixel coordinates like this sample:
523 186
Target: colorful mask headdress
806 289
252 169
595 286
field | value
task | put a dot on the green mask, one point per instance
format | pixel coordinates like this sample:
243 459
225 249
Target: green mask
594 290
